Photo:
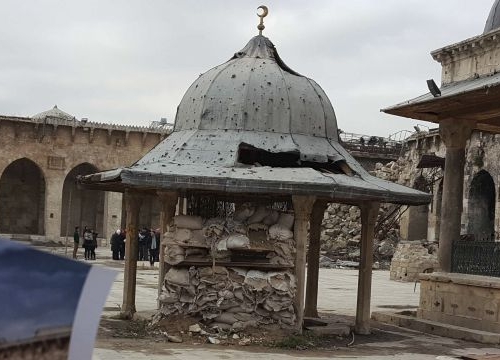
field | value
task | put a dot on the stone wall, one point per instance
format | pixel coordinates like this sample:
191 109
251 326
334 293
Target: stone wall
55 147
412 258
469 301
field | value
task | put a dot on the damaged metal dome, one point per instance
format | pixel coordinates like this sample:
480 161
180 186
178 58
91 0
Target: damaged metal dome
252 100
253 125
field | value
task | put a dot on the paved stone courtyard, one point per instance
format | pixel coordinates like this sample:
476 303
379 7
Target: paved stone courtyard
337 295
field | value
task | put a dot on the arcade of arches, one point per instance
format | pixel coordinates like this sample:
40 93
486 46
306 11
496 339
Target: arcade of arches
41 158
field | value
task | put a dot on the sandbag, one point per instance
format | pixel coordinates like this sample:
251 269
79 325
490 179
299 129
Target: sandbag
279 232
237 241
182 235
177 277
271 218
243 212
226 318
259 215
188 222
286 220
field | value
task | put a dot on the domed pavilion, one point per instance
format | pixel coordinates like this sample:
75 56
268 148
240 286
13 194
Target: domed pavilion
252 130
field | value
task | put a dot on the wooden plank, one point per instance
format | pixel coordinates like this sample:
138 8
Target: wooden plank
369 212
132 204
302 206
311 301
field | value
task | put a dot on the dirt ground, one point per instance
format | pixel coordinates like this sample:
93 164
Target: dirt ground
385 341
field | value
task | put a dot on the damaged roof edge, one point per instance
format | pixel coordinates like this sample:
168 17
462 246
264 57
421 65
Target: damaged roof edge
125 178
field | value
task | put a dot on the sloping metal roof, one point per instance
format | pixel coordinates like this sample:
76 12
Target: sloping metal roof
254 100
475 100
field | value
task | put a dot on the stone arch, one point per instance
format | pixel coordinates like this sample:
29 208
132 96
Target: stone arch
81 207
481 206
418 216
22 198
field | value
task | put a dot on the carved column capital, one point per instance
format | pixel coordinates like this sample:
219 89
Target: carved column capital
455 132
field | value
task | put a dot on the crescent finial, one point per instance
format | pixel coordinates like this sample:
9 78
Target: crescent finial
262 15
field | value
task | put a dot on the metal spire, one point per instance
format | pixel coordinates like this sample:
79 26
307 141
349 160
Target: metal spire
264 13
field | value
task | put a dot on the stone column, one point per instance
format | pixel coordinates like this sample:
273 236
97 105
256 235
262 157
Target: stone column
112 213
369 213
317 214
168 203
53 205
302 206
132 204
455 134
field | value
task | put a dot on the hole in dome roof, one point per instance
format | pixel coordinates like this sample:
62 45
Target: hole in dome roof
251 155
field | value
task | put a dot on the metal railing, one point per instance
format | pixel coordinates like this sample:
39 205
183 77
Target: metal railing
370 144
476 257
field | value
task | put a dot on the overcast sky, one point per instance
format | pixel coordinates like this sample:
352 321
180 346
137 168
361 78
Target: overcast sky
130 62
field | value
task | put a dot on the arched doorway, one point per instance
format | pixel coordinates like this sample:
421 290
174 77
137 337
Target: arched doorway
22 198
81 207
481 207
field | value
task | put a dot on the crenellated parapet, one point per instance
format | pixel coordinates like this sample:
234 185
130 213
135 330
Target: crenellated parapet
472 58
40 128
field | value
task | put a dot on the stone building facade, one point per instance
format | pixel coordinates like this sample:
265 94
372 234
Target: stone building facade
41 158
481 209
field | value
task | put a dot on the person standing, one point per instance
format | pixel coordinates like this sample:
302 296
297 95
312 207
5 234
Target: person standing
121 244
153 246
87 242
115 244
76 241
94 245
143 241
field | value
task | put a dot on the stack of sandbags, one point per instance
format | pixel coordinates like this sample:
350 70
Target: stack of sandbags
192 238
185 239
230 298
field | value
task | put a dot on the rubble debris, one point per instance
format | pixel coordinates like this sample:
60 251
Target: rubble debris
196 328
174 338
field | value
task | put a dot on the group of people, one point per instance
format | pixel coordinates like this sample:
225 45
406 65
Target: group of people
148 245
89 242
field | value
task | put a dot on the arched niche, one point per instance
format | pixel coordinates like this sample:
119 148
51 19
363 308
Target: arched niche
81 207
481 206
22 198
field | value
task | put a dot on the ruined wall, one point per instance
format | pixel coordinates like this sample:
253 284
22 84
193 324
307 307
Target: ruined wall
412 258
59 147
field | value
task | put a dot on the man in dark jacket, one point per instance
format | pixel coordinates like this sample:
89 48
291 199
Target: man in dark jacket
116 244
153 247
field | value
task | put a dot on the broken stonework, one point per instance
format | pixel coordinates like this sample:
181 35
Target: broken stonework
412 258
341 225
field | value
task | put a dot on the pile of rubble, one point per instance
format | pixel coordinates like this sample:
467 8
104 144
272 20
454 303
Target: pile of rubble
233 273
341 227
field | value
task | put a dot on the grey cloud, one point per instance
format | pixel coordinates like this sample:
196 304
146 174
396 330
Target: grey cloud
131 61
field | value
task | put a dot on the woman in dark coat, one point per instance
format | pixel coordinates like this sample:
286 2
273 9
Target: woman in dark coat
116 244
